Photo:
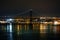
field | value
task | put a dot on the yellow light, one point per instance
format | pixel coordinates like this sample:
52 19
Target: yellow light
41 28
18 27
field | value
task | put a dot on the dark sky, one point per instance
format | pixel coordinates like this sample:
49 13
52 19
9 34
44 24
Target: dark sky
43 7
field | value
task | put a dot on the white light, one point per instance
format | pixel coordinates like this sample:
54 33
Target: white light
8 20
10 27
55 22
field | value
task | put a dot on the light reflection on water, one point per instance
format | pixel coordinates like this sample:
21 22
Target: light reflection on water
9 30
22 32
9 27
9 36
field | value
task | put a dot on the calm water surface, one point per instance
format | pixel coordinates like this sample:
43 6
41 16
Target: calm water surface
23 32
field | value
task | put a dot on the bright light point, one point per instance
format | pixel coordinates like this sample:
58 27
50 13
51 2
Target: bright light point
9 19
55 22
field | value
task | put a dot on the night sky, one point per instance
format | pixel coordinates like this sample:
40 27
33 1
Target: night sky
43 7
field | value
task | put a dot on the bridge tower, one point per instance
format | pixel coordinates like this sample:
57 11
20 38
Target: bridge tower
30 24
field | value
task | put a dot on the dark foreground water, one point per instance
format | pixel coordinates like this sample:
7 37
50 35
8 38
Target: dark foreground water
6 33
28 36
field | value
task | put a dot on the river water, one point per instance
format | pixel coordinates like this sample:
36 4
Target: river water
23 32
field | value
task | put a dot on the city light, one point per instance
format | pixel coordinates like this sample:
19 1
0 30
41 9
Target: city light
55 22
8 20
